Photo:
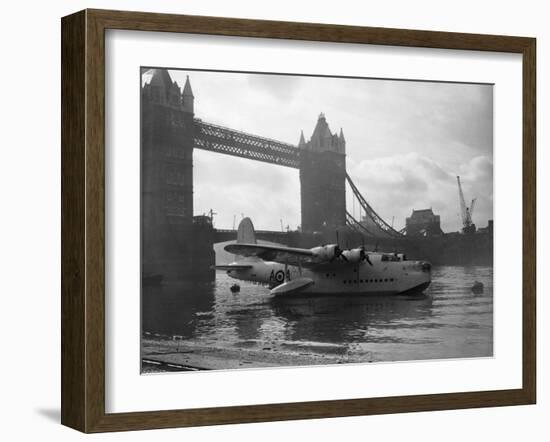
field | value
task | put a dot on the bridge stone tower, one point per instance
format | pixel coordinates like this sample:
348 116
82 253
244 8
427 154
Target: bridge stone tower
323 179
171 239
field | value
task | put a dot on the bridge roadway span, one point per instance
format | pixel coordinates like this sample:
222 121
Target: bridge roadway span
220 139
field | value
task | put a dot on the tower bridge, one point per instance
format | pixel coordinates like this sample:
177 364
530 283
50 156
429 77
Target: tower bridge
179 245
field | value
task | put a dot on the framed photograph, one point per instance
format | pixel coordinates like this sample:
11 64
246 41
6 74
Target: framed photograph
269 220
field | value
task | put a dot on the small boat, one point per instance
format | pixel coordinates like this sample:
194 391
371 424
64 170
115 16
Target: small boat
235 288
477 288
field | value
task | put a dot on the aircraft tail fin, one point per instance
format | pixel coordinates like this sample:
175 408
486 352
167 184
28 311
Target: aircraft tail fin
245 233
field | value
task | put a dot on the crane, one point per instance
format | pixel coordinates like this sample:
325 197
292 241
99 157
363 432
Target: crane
467 224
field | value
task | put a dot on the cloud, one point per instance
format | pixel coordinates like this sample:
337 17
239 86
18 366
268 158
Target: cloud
280 88
397 184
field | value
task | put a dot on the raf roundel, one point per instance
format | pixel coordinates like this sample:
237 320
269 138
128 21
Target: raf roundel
280 276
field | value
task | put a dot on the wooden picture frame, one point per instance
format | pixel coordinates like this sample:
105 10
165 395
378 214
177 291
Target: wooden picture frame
83 220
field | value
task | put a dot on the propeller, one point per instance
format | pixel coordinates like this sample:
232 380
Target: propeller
362 254
368 259
338 253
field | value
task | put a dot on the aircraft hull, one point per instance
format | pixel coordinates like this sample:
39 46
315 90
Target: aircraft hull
378 278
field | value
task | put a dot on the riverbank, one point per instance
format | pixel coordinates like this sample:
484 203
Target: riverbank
180 355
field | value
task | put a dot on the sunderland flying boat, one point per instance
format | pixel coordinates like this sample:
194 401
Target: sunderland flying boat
323 270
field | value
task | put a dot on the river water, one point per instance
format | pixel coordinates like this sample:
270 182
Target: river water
446 321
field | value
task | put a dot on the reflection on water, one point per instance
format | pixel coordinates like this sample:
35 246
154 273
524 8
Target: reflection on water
349 319
447 321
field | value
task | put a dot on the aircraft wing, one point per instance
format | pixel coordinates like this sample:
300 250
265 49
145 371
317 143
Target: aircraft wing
280 254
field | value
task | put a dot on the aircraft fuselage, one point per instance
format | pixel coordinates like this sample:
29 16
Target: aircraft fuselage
383 274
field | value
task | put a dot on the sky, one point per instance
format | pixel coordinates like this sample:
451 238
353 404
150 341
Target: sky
406 141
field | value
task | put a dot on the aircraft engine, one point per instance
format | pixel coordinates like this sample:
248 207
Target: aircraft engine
354 255
327 253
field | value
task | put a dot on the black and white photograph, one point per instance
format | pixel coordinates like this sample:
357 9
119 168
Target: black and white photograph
297 220
250 221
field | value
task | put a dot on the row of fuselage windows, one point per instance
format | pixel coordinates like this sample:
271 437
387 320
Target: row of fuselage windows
361 281
366 281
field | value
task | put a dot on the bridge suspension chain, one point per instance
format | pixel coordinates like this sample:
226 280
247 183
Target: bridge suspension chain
357 226
371 214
